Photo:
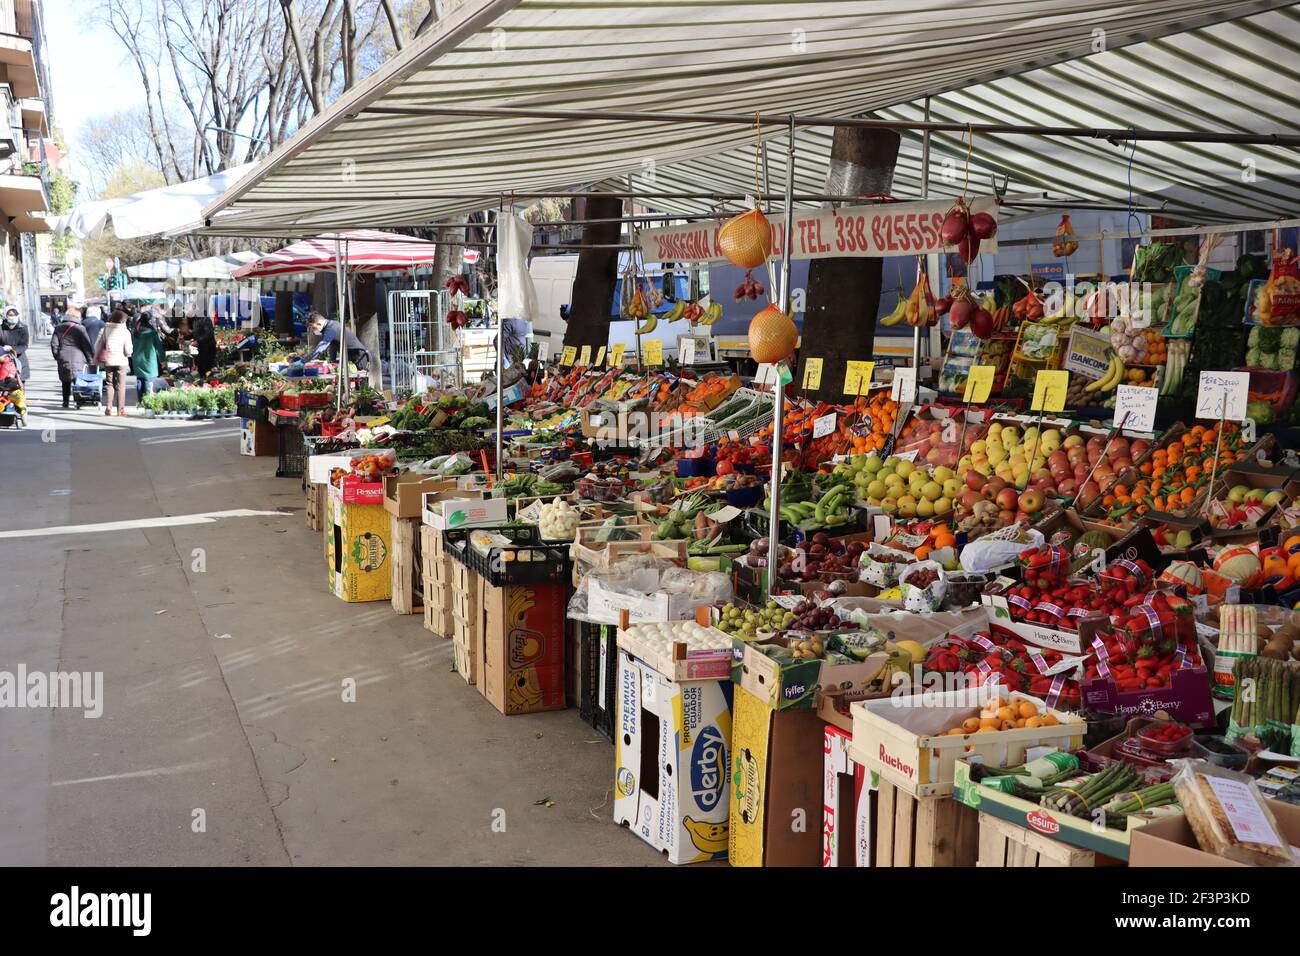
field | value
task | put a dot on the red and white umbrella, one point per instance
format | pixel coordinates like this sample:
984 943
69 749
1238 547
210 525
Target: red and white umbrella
362 250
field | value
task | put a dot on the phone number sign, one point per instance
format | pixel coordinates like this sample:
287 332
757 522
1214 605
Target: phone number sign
884 229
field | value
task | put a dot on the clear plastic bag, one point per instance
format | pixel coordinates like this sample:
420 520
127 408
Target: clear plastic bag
1228 815
992 552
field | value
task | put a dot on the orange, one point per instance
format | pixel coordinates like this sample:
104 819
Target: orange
1292 543
1006 714
1027 709
970 725
1050 721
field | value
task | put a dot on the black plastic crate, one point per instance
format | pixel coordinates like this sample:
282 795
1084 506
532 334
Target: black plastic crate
756 524
252 412
293 452
599 650
546 564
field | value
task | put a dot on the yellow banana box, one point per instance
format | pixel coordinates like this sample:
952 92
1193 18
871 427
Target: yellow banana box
672 742
522 647
357 545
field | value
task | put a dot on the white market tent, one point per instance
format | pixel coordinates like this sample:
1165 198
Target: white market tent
1179 64
173 208
211 268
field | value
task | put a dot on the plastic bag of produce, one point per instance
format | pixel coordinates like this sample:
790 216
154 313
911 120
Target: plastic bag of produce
1280 302
1228 815
1064 244
992 552
924 586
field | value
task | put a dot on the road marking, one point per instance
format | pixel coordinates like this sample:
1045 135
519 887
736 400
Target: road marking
168 521
156 772
228 433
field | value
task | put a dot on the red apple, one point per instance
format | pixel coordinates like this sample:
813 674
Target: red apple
1007 499
1006 518
1031 501
974 480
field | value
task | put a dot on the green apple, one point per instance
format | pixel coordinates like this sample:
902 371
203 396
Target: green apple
877 489
1238 493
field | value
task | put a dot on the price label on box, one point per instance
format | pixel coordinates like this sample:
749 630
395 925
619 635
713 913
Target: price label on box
686 350
569 355
979 384
857 377
903 388
600 356
1050 387
1222 395
616 355
823 426
543 352
584 357
653 351
812 374
1135 407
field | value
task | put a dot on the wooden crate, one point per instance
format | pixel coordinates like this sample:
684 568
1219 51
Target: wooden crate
465 636
315 505
923 831
406 567
1004 844
437 593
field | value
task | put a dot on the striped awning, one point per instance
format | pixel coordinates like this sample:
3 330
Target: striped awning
1179 64
359 250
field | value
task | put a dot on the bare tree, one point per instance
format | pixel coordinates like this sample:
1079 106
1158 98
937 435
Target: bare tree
105 143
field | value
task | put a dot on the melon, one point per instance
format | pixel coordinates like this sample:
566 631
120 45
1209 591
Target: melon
1238 565
772 335
746 240
1185 573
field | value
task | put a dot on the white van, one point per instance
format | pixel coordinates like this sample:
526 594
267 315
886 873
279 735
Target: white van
553 278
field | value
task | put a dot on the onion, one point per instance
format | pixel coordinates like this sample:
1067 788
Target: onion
983 226
969 247
941 306
961 313
982 324
955 226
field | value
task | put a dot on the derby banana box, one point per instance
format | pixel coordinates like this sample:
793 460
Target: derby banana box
671 740
356 549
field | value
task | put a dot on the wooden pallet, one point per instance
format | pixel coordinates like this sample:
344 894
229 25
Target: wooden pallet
1004 844
923 831
406 567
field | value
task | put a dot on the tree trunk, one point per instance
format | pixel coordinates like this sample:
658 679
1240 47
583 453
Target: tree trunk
284 313
365 307
593 284
448 257
843 295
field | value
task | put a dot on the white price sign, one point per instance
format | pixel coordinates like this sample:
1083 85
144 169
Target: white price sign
1222 395
543 350
824 426
903 388
686 350
1135 407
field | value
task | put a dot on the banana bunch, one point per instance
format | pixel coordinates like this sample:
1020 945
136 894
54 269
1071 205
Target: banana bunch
900 310
1111 378
1178 352
678 311
711 314
920 304
1065 315
648 326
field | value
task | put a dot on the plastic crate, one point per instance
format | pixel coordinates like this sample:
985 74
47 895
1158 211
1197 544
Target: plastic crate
597 643
293 452
756 524
549 563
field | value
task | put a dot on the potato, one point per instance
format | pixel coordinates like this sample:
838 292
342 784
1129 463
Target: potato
1278 652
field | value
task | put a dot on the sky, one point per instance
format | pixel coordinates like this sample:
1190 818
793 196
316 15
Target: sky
89 70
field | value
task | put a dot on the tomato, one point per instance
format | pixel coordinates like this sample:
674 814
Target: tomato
725 467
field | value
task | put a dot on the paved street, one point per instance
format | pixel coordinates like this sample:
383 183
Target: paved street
223 659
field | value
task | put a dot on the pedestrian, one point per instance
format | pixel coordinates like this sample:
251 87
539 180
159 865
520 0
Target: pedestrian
14 338
93 322
145 358
205 338
72 350
333 335
113 355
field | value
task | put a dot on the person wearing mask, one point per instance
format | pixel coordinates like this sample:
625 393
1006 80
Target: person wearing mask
93 322
113 354
205 338
146 356
72 350
333 336
14 339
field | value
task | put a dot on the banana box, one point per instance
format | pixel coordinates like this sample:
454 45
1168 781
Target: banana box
522 647
848 789
776 785
671 785
357 546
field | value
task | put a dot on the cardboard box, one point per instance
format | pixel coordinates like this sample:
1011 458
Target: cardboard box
846 803
463 511
776 782
357 549
258 438
356 491
671 758
1170 841
404 493
319 466
523 647
606 606
1058 639
905 739
794 684
1187 698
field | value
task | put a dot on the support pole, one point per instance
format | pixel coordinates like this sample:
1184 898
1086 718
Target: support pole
501 374
778 387
925 194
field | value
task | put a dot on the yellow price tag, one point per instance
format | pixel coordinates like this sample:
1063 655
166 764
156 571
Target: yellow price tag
979 383
812 373
857 377
1049 391
653 351
600 356
584 357
569 355
616 354
381 420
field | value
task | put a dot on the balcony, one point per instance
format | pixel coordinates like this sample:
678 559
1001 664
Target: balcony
23 201
20 36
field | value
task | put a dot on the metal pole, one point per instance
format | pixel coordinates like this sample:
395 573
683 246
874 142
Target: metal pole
501 357
747 119
778 387
925 194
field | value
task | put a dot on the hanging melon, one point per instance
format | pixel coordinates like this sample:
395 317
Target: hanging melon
772 335
746 239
